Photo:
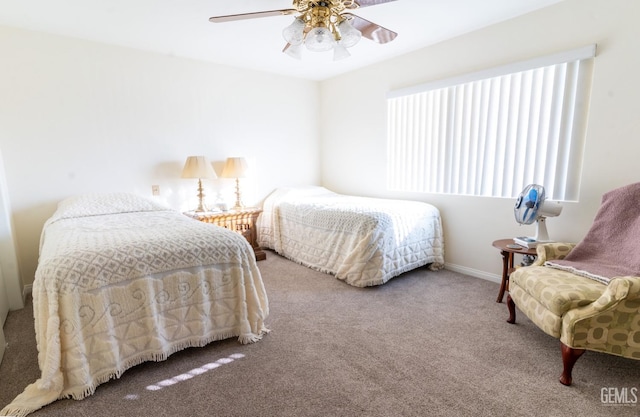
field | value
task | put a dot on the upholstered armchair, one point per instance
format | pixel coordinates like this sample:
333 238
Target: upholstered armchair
588 295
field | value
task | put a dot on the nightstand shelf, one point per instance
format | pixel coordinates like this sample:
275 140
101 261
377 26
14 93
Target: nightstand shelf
242 221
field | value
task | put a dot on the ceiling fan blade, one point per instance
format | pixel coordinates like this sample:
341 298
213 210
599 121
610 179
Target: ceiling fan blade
255 15
367 3
371 30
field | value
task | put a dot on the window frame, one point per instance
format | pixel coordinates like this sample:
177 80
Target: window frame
454 160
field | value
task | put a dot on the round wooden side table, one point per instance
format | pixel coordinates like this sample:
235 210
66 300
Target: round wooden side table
507 249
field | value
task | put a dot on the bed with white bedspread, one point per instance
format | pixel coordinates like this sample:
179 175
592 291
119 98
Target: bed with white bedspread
123 280
363 241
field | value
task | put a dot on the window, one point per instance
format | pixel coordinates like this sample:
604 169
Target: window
491 133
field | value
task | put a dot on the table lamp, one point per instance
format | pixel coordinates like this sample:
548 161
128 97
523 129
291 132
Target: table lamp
199 167
237 168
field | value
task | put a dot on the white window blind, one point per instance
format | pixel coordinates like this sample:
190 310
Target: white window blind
493 132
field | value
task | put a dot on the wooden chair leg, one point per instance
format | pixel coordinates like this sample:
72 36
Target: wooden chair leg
512 309
569 358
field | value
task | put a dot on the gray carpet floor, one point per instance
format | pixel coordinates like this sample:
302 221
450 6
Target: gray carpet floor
424 344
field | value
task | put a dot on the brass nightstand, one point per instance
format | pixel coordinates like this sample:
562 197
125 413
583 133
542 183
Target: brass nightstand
242 221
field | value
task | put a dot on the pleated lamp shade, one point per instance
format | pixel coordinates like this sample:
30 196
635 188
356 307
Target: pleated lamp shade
235 167
198 167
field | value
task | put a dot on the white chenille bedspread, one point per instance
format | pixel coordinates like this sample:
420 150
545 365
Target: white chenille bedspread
122 280
363 241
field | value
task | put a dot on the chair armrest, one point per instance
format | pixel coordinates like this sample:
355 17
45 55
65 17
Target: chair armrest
618 289
550 251
616 310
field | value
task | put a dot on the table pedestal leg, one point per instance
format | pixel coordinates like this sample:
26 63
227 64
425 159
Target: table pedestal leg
507 263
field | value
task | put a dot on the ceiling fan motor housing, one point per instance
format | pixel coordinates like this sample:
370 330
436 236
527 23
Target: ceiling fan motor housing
323 14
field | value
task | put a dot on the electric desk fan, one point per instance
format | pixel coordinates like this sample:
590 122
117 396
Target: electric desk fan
531 207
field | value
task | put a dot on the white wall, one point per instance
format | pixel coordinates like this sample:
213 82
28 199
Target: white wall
354 128
79 116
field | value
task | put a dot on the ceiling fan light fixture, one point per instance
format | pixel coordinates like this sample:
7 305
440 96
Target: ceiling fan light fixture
294 51
322 25
294 33
348 34
319 39
340 52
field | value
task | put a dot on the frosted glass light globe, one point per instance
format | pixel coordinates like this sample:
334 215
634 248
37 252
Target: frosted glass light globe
319 39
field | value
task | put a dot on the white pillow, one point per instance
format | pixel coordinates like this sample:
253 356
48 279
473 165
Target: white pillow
95 204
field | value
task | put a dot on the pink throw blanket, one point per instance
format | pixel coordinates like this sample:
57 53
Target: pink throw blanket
611 248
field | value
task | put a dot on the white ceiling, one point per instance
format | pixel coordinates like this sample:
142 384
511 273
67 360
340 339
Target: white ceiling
181 28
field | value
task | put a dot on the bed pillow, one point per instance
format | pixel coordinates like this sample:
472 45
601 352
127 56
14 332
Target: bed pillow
96 204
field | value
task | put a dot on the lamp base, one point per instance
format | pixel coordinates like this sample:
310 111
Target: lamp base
239 205
201 206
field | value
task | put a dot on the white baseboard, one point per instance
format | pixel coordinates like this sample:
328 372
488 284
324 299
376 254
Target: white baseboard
473 272
26 290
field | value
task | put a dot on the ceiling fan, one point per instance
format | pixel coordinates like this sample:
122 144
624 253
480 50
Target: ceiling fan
323 26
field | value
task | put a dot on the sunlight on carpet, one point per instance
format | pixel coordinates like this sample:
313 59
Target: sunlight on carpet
188 375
